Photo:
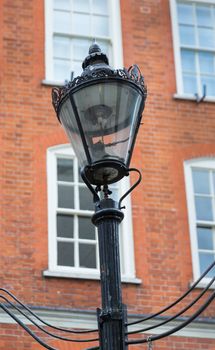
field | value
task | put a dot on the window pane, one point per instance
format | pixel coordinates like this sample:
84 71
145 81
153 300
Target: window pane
86 228
100 6
205 238
190 85
203 15
62 22
62 69
86 199
65 170
188 60
115 193
81 5
203 208
205 261
62 4
80 48
61 47
65 226
87 255
100 26
185 14
65 254
206 37
76 68
81 24
201 181
187 35
210 85
65 196
105 47
206 62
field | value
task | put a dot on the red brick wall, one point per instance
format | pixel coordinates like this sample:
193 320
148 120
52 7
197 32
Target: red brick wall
173 131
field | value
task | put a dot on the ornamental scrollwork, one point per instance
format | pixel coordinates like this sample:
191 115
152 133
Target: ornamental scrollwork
133 74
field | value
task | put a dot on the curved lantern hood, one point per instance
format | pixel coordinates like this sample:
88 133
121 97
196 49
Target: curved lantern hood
101 112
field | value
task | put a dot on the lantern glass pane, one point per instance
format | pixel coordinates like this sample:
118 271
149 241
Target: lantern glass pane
109 113
68 120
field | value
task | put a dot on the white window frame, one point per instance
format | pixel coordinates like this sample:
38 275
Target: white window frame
126 239
176 48
115 39
203 163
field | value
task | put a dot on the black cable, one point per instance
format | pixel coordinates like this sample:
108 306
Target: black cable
177 328
27 329
176 315
44 322
44 330
176 301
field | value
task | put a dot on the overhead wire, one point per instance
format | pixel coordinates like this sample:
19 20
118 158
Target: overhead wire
44 322
177 328
27 329
176 301
44 330
132 341
177 314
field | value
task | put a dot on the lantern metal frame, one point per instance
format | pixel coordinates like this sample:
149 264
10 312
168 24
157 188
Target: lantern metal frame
97 71
131 74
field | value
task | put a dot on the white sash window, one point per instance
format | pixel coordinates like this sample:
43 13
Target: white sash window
71 27
73 240
193 24
200 188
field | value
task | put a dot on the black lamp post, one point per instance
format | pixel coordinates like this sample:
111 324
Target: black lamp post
101 112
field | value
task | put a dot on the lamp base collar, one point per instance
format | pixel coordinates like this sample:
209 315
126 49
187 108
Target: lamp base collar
105 172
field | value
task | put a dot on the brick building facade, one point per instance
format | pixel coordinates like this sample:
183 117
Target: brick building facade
168 238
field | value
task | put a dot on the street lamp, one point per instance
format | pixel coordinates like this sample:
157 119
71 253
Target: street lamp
101 113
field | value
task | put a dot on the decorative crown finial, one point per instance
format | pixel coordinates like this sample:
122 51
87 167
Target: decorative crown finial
95 55
94 48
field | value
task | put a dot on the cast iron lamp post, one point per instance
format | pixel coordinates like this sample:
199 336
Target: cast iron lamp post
101 112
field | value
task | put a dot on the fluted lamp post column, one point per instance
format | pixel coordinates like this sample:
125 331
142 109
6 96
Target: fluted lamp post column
101 111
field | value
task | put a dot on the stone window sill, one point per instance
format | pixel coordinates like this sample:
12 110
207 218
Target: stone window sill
88 276
192 98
